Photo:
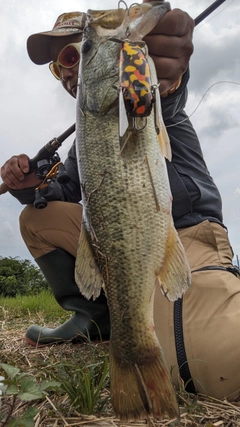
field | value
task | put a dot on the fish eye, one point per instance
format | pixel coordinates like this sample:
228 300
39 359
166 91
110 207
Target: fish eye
86 46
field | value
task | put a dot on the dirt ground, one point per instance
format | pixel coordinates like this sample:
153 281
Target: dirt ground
55 411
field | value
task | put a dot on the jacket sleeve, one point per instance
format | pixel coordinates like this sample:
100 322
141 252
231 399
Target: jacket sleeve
175 102
69 192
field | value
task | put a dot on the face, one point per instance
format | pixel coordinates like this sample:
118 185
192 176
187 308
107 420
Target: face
68 76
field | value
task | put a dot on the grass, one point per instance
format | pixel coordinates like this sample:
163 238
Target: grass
85 381
42 305
83 398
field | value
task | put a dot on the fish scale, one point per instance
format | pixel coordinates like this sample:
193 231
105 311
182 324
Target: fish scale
127 242
105 170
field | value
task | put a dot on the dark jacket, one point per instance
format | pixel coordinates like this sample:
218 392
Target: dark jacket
195 196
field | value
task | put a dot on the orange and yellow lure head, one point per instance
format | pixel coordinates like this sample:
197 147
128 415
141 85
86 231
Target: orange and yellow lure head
135 81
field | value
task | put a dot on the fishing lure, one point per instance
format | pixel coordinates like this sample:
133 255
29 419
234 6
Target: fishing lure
137 95
135 81
135 89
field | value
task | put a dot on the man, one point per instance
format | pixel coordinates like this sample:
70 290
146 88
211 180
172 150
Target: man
196 330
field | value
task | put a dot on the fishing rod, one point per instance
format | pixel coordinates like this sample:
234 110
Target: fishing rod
52 146
208 11
45 153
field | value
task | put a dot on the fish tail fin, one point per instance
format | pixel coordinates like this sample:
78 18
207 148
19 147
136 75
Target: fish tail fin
141 390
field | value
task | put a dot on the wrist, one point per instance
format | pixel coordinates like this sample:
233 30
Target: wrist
173 88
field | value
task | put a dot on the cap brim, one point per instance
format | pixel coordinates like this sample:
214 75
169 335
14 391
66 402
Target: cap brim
38 45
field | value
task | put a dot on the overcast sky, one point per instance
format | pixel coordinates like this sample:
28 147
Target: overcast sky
34 108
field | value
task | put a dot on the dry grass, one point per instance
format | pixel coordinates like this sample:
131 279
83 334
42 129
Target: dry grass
55 410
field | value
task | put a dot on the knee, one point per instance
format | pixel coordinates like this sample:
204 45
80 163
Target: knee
26 217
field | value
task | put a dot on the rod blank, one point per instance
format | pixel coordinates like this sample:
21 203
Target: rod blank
208 11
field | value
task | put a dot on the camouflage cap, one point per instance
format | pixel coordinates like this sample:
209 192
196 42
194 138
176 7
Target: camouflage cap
38 45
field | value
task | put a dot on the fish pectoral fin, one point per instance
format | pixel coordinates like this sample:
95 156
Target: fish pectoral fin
174 277
87 273
163 137
164 143
123 119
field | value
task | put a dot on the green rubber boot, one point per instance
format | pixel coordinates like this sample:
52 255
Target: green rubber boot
91 318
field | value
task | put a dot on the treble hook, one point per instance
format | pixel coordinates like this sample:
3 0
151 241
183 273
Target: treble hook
125 4
134 4
139 119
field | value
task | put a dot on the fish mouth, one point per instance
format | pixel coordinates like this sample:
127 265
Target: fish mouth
74 91
71 88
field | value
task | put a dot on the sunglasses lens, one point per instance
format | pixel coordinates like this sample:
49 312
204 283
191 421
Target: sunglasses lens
54 70
69 57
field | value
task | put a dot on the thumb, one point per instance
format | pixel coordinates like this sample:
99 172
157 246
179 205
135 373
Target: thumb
23 161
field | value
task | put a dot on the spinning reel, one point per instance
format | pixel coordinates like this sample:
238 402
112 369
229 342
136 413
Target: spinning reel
48 167
49 170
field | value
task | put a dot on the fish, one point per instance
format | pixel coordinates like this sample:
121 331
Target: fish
128 244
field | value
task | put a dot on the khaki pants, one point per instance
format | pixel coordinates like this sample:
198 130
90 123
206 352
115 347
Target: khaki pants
211 306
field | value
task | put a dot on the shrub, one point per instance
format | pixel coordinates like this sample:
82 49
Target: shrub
20 277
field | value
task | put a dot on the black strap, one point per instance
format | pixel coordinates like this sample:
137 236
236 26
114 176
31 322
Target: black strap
233 270
180 348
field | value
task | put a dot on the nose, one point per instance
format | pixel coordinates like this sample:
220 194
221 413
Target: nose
66 74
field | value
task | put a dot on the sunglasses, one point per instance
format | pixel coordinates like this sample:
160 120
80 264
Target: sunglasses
67 58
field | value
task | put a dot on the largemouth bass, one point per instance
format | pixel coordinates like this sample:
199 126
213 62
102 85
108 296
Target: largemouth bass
128 243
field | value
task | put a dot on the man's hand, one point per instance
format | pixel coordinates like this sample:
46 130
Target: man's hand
170 46
13 173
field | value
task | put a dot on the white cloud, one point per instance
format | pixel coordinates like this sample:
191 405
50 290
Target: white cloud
6 231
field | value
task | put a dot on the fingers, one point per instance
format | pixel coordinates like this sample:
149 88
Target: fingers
170 45
23 163
13 171
169 70
174 23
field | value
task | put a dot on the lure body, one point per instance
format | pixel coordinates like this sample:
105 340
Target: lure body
135 80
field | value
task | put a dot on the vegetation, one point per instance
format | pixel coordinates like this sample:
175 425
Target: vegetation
82 398
20 277
85 380
63 385
43 306
81 386
20 386
73 378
